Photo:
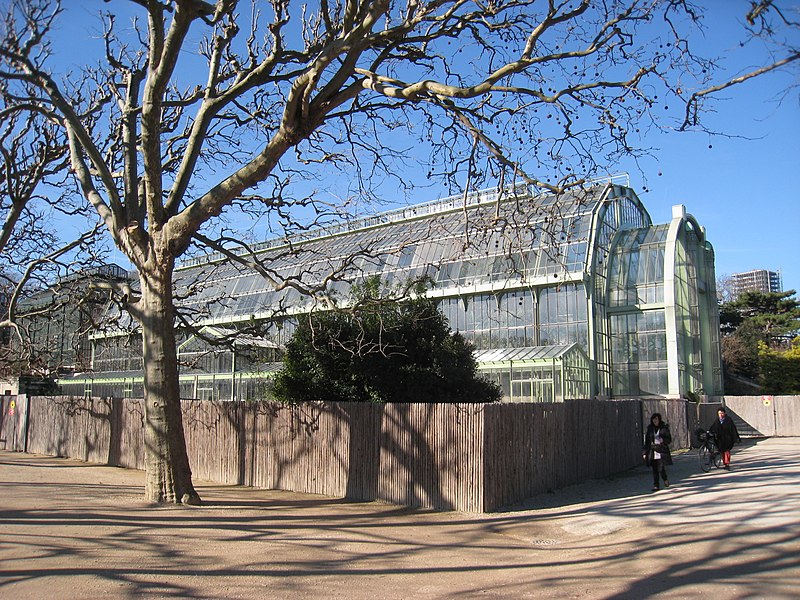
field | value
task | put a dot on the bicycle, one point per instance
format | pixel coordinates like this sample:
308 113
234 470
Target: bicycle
708 454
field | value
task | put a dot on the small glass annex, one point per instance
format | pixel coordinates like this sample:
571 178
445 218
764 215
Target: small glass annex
569 296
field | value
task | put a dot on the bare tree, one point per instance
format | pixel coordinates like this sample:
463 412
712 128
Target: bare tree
166 142
33 253
726 290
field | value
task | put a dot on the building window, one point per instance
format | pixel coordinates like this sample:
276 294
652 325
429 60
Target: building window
639 353
562 316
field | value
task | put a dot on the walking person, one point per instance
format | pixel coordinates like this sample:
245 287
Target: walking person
725 429
656 452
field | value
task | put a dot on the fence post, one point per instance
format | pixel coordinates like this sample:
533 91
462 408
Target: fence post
26 423
642 427
774 417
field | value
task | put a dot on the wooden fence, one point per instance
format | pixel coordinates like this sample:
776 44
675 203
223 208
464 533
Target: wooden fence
534 448
448 456
475 458
472 458
680 415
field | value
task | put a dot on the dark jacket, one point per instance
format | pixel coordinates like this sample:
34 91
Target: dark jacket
726 433
650 446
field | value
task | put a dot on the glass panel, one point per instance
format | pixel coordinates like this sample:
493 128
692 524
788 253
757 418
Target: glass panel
638 351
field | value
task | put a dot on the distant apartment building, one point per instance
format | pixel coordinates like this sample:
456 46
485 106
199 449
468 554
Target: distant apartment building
758 280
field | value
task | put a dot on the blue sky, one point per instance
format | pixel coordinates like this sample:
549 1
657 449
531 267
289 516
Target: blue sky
743 189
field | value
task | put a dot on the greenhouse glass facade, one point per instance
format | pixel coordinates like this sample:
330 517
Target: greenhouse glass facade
564 297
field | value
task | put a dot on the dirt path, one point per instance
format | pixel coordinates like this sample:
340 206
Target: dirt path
72 530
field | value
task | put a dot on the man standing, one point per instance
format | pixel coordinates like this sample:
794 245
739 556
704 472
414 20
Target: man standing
727 435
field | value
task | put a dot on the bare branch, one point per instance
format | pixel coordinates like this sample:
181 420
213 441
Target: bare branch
692 117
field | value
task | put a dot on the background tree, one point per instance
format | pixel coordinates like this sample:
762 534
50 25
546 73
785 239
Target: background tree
385 348
34 258
52 325
779 370
200 121
755 319
726 290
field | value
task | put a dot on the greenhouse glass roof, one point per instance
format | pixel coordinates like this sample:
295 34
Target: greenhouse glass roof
531 354
489 239
235 338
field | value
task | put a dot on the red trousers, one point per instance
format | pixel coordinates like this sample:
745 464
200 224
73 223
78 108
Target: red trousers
726 457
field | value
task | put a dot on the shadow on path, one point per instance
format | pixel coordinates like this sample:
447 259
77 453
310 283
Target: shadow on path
87 531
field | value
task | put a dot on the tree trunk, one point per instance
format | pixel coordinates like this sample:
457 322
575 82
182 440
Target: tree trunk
169 478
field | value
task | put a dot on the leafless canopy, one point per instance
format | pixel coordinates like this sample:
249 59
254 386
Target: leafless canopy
196 107
33 253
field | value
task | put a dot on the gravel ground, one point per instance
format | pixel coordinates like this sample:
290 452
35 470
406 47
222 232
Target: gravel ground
75 530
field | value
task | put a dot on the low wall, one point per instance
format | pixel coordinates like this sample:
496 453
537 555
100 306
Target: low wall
759 416
471 458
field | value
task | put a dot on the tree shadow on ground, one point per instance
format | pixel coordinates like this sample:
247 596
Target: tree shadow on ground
637 481
290 544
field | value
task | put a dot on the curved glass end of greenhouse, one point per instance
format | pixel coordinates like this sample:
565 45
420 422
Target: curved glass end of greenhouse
564 297
662 311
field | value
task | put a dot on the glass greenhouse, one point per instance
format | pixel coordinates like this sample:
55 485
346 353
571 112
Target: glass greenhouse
564 297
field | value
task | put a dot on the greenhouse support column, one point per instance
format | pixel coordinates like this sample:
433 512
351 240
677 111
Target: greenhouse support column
670 300
233 373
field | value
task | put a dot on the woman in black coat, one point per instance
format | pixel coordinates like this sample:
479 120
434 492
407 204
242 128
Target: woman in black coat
727 435
656 453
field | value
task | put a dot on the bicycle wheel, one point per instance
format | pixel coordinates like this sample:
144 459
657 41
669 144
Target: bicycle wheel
705 458
716 456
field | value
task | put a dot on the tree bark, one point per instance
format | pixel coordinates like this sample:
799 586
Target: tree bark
169 478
